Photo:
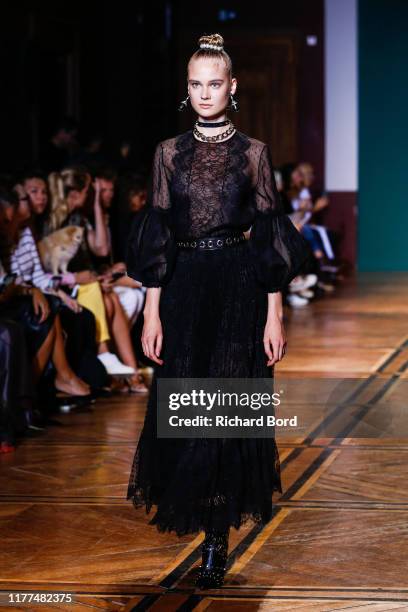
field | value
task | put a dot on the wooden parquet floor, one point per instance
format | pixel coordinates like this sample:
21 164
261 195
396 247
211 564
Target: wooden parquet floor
339 536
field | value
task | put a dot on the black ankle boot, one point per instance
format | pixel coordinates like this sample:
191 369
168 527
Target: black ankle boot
214 558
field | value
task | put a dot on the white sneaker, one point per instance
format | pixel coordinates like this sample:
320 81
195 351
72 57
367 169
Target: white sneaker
306 293
303 282
113 366
297 301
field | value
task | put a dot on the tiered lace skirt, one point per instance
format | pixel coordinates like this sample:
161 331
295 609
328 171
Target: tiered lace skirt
213 314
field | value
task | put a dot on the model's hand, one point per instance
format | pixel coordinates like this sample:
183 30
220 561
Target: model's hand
274 340
152 337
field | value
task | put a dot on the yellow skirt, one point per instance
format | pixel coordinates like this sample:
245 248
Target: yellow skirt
90 296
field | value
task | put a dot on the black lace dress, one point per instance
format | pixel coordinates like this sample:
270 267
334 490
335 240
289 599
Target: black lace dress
213 309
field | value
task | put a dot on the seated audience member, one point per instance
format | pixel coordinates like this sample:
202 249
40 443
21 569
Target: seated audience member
319 203
77 322
131 197
300 289
319 199
69 192
318 234
131 293
298 197
35 185
16 387
44 341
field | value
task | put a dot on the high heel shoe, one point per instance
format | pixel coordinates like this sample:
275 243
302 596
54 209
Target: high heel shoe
214 559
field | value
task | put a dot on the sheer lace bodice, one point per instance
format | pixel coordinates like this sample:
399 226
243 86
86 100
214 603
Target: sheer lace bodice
200 189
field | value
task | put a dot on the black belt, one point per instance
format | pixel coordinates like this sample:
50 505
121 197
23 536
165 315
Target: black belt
210 243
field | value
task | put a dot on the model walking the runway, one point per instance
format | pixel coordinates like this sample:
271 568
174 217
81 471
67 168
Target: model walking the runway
213 309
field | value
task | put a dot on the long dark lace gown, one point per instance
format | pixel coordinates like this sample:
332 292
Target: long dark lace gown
213 309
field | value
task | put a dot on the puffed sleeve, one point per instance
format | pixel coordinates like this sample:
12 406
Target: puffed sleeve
278 249
151 248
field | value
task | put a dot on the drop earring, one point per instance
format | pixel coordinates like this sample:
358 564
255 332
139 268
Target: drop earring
183 103
234 104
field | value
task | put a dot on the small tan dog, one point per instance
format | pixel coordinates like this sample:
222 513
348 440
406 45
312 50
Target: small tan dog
57 249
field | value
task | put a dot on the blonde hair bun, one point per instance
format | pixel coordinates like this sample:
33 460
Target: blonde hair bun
215 42
211 46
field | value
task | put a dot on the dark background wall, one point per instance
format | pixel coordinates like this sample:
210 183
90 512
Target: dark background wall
116 67
383 135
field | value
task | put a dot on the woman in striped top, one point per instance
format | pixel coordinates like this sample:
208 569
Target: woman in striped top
23 260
